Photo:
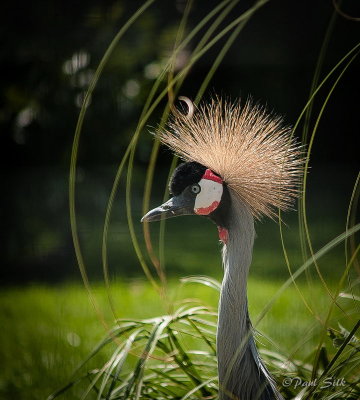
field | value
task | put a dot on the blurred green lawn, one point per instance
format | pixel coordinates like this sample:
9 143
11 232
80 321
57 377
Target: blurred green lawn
47 331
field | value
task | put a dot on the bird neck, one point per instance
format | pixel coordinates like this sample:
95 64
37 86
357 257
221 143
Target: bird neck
242 375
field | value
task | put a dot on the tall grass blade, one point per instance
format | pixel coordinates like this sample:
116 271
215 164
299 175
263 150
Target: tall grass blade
75 147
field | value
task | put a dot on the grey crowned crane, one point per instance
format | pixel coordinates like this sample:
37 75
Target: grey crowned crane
241 163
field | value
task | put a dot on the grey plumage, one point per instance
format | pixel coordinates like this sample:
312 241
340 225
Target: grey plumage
256 162
242 374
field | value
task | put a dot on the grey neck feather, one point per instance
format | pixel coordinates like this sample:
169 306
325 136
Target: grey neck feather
242 375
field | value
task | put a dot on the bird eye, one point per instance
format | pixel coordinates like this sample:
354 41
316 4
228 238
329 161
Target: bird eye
195 188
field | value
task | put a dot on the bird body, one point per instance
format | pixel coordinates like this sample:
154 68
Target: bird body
240 164
241 370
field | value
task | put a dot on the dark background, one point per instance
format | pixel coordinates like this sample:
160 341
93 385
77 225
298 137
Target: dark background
49 51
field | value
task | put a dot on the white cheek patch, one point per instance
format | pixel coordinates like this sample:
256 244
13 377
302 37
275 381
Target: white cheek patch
209 198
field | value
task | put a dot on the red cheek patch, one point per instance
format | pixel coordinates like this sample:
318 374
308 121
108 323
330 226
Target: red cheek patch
211 176
207 210
209 197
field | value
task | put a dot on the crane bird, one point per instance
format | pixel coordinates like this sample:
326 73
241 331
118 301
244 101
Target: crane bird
240 163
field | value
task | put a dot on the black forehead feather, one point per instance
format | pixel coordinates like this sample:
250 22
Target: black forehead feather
184 175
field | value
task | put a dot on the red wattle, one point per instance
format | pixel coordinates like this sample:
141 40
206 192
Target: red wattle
223 234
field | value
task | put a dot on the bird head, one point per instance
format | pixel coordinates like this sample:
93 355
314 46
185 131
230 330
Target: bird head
231 151
196 190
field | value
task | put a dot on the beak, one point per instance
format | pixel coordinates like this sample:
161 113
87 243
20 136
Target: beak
174 207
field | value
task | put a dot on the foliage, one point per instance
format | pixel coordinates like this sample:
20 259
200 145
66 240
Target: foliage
54 330
173 356
164 367
152 362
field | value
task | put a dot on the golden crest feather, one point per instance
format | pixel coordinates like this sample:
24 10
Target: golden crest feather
254 153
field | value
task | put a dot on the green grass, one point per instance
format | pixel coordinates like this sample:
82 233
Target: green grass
48 331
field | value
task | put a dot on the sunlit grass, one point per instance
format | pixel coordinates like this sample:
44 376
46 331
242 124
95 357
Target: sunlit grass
49 331
296 320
